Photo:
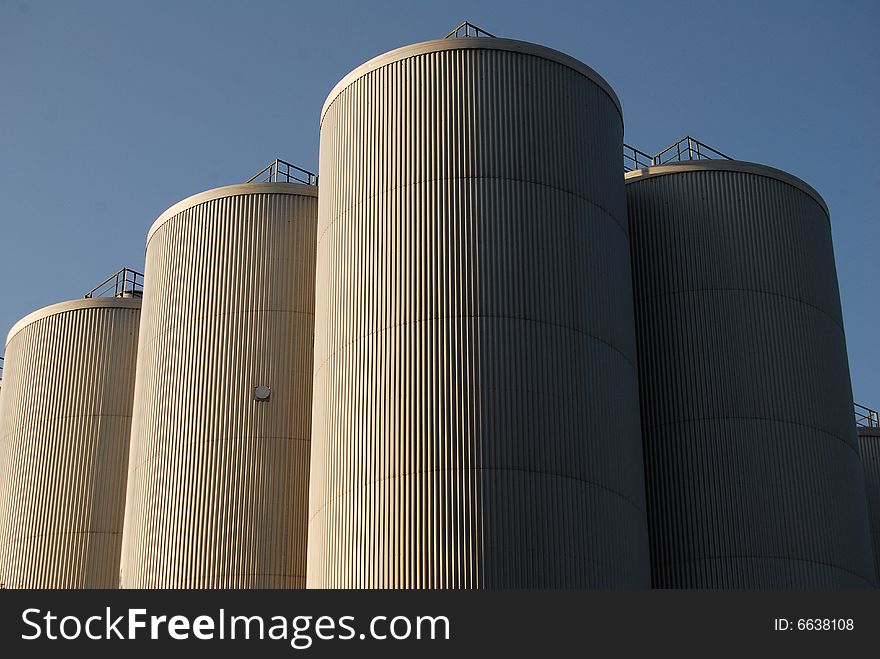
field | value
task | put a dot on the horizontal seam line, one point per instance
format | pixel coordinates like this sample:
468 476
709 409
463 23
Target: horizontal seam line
780 558
384 192
646 427
433 318
221 575
741 290
511 469
214 440
16 539
192 321
12 435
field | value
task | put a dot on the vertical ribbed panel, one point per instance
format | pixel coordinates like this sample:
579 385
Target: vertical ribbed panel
753 477
869 444
475 417
218 481
65 419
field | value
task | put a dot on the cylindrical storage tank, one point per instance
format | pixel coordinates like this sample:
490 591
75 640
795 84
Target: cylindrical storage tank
218 475
475 418
869 445
753 477
65 419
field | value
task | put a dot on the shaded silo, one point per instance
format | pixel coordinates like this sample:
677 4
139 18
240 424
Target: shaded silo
218 473
753 476
65 419
869 445
475 418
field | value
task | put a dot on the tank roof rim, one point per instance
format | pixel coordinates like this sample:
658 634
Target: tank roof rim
728 166
470 43
237 189
72 305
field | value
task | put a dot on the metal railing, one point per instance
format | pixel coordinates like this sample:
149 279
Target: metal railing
866 417
467 29
124 283
634 159
281 171
687 148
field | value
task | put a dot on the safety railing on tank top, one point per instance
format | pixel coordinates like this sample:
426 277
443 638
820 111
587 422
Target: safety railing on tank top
281 171
468 29
122 283
866 417
687 148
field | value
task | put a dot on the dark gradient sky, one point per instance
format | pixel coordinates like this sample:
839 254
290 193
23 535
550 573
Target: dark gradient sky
112 111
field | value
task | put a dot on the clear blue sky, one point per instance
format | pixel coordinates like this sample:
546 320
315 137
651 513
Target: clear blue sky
112 111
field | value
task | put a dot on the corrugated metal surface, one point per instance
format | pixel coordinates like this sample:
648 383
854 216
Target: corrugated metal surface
475 415
218 480
869 445
65 417
753 473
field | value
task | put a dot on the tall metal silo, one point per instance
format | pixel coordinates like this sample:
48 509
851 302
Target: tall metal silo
475 418
753 477
869 446
65 420
217 489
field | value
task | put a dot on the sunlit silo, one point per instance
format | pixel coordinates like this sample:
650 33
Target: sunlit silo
869 444
475 417
753 477
219 464
65 419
